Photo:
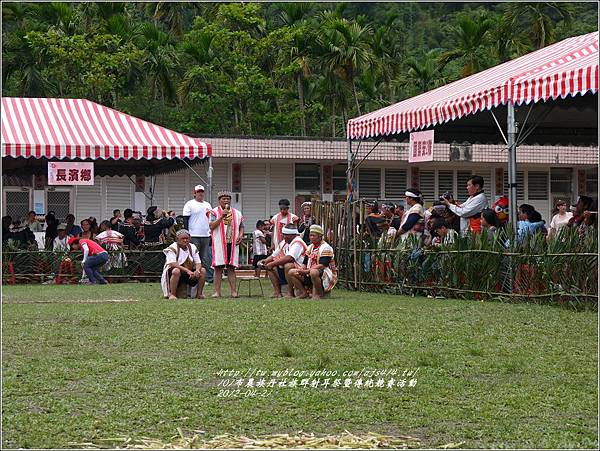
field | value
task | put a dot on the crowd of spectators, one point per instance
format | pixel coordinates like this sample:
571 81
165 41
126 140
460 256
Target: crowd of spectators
391 223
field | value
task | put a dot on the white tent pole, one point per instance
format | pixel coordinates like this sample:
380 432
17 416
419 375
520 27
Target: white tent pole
210 179
512 164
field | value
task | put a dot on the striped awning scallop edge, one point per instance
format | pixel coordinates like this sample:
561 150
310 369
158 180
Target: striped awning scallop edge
79 128
567 68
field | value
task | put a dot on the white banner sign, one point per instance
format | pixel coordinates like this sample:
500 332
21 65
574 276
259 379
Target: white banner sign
421 147
61 173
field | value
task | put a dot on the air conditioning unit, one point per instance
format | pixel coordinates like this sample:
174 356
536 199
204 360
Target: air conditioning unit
461 152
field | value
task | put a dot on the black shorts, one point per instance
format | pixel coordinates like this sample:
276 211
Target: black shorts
184 279
308 281
256 259
281 274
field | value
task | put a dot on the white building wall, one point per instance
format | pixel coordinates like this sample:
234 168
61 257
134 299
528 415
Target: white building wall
90 200
254 193
119 194
281 185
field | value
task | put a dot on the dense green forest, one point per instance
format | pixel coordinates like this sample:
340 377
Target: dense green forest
299 69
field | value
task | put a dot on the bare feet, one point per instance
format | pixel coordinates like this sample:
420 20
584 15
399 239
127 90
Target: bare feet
171 297
303 296
235 295
216 295
276 295
200 296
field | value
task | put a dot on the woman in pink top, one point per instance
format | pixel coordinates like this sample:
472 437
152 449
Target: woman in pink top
94 257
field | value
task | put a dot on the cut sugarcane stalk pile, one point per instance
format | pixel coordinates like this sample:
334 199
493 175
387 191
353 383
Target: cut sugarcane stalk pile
302 440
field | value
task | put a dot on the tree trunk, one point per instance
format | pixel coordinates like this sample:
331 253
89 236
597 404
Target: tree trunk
301 101
355 96
333 121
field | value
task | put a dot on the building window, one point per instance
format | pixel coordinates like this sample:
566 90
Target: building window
369 183
427 185
461 184
591 183
59 202
16 204
561 180
395 183
339 178
537 185
445 182
308 177
520 186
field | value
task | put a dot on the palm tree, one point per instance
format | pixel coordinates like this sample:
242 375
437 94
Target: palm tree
507 43
471 37
172 14
25 62
161 60
346 51
200 48
425 73
292 13
540 19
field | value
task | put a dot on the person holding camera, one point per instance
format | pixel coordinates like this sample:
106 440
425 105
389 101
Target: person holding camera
470 210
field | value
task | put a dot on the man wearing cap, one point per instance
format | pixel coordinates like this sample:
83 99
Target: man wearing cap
60 243
318 271
288 254
227 229
281 219
414 213
195 220
94 257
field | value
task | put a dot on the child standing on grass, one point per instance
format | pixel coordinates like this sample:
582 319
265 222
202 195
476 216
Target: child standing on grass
259 246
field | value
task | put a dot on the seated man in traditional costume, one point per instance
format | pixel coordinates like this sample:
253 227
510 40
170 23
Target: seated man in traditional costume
318 271
182 267
288 254
227 231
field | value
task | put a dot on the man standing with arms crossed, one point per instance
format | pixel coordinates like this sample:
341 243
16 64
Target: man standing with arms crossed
195 220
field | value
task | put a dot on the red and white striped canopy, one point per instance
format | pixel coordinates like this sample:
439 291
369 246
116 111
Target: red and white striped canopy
568 67
78 128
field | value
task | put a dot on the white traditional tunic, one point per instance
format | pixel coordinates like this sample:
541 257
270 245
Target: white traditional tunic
296 249
219 238
279 222
415 209
176 255
314 253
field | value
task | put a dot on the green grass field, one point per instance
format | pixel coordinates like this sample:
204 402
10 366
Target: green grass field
490 374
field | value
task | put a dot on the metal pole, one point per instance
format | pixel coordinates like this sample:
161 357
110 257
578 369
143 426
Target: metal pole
210 180
512 164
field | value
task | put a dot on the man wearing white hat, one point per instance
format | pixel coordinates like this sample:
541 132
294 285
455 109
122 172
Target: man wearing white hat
195 220
288 254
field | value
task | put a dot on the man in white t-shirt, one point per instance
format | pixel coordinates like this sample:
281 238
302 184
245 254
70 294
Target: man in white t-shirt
195 220
288 254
